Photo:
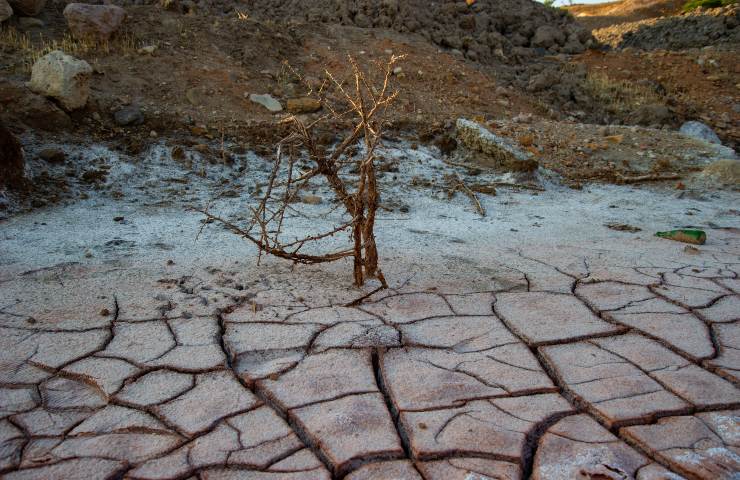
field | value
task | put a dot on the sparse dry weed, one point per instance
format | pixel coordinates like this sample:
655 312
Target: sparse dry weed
619 96
29 48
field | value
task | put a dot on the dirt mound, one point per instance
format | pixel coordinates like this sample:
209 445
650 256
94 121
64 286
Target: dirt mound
602 15
11 159
698 28
484 31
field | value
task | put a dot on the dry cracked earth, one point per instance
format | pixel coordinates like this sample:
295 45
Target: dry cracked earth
570 367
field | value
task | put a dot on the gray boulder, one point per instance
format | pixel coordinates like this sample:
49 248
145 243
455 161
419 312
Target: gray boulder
63 78
130 115
547 36
97 22
5 10
266 101
700 131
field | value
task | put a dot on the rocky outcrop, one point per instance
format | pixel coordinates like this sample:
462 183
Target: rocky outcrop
63 78
27 7
495 150
484 30
11 159
700 131
98 22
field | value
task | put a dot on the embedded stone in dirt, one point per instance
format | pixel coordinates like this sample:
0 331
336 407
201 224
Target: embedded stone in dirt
267 101
303 105
12 164
97 22
578 446
350 428
543 317
29 8
496 151
62 77
129 115
5 10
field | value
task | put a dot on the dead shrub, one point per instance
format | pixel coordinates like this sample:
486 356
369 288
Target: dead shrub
348 168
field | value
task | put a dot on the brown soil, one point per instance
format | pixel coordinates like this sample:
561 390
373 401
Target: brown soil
193 90
606 14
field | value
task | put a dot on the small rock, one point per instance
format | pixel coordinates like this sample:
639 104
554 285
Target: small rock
547 36
62 77
397 70
118 219
98 22
303 105
699 131
5 10
148 50
311 199
153 134
52 155
722 172
29 8
11 159
130 115
267 101
104 312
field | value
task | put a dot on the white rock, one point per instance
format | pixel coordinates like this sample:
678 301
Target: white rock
700 131
63 78
267 101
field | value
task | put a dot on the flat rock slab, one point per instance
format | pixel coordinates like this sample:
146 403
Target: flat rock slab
543 317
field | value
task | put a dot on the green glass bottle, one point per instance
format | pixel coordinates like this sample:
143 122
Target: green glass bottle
697 237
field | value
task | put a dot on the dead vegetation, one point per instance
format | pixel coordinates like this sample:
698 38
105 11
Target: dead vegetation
619 97
31 48
349 171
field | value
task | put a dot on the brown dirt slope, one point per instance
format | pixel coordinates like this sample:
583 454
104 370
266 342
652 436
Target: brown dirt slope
607 14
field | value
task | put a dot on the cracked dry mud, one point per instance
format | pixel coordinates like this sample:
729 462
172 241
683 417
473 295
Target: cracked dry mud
571 366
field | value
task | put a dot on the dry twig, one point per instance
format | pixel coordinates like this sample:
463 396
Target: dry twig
367 106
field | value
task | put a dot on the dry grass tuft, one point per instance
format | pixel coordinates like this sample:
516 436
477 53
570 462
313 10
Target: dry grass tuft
619 96
26 48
